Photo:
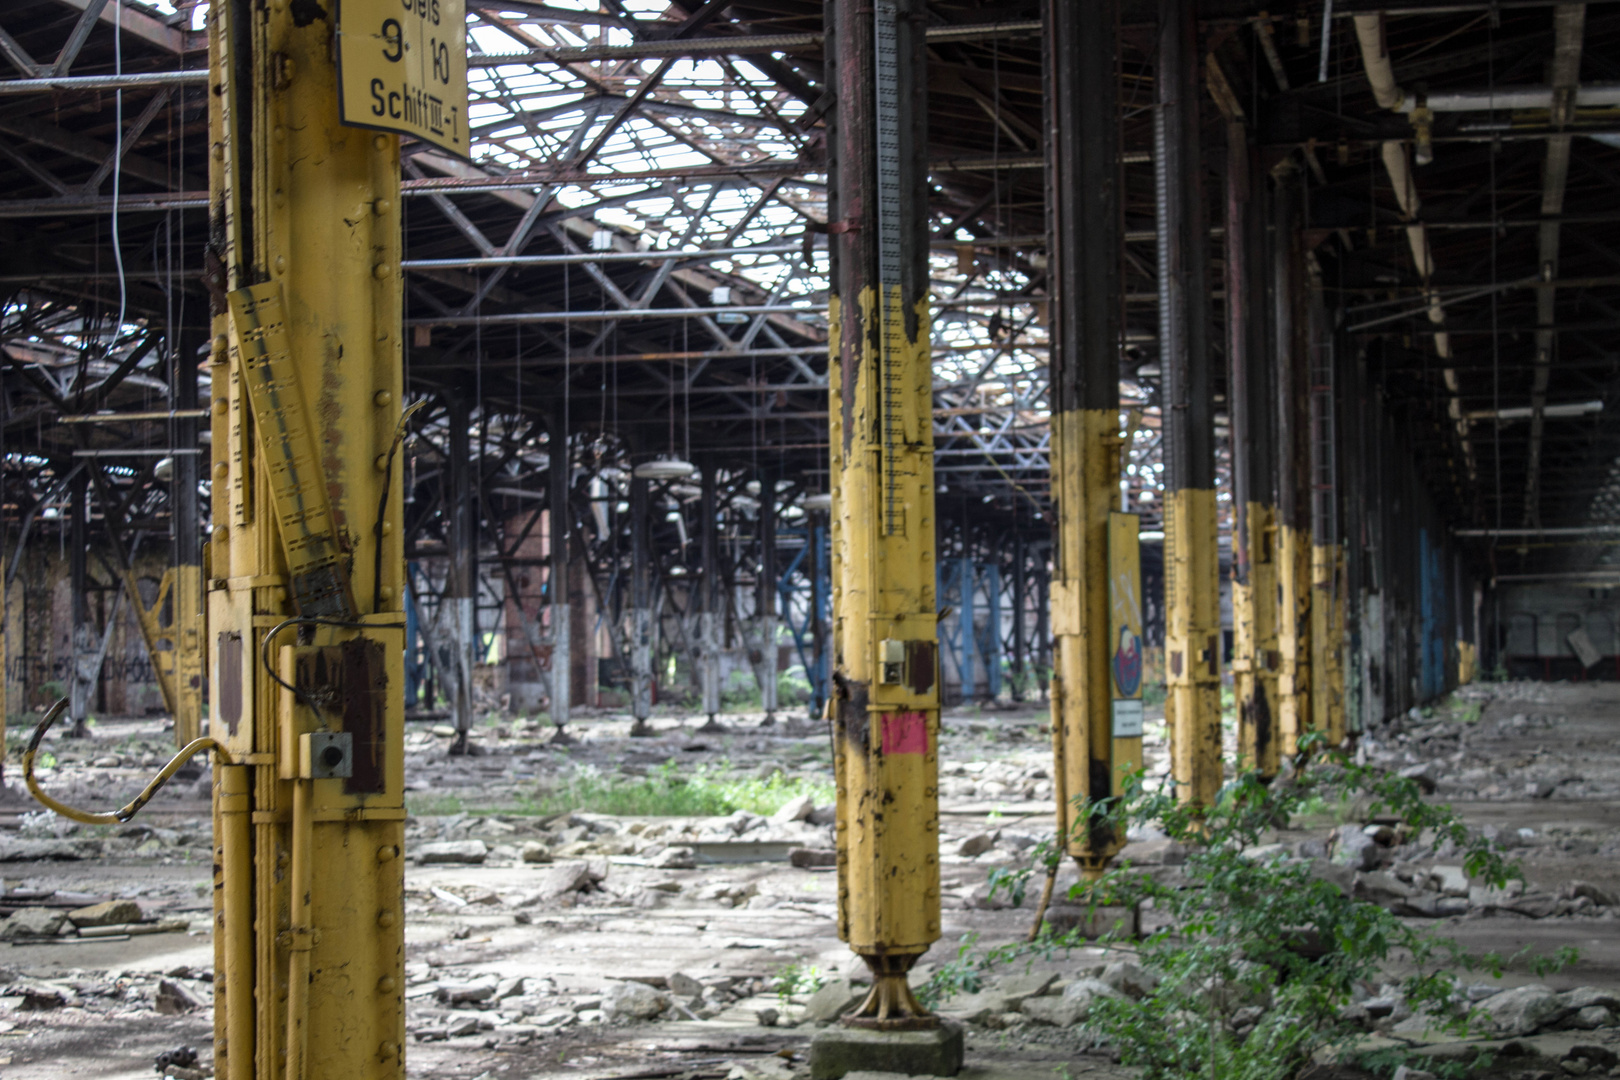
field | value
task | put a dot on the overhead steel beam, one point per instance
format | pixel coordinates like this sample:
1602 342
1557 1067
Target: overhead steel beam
740 45
79 35
1569 28
58 84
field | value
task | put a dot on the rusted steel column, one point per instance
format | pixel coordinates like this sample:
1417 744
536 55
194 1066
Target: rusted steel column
1091 750
1191 567
641 624
765 596
1293 468
1254 505
461 591
710 620
560 583
885 646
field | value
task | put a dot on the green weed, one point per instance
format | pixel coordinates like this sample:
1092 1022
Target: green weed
1259 958
670 792
797 978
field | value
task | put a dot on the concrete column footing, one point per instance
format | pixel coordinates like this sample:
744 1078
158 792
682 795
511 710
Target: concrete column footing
837 1051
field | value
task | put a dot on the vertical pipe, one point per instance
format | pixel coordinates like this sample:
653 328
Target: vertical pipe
299 935
641 628
1254 572
1192 586
1293 453
186 532
233 916
1083 264
462 588
816 562
708 599
886 663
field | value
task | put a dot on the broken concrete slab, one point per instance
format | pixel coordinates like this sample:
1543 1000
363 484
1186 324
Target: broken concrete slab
111 913
465 852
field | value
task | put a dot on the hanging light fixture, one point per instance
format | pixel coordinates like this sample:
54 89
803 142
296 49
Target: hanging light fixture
665 469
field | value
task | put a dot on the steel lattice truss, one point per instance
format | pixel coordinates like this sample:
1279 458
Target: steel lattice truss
542 293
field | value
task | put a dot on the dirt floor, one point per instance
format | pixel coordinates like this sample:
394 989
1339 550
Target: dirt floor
544 942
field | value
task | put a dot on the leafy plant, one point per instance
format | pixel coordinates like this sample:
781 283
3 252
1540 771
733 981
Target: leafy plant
796 978
1261 956
961 975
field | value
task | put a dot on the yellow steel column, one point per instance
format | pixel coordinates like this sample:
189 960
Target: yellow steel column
1191 565
885 708
1293 473
1090 752
306 567
1254 571
1294 636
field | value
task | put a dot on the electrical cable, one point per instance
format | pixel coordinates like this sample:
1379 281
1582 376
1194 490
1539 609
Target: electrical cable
310 620
382 502
130 809
118 161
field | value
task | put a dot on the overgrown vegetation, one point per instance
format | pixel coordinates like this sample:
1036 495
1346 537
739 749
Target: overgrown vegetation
1263 954
667 791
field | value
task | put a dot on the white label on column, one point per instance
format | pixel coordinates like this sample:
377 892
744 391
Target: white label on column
1127 718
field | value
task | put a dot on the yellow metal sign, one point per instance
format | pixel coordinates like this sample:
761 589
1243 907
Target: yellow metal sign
1125 623
402 67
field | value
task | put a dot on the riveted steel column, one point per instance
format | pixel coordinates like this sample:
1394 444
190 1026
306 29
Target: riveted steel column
559 584
641 624
886 665
1327 553
1254 568
1191 567
1083 245
305 591
84 676
708 599
1293 469
461 591
765 596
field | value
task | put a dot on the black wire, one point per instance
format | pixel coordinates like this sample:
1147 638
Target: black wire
303 620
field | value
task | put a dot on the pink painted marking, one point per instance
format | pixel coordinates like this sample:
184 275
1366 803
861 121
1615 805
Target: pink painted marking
905 733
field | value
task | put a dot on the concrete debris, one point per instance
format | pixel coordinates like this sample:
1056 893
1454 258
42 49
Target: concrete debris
1352 847
471 852
834 999
1129 979
812 858
977 844
632 1001
674 858
33 923
174 997
110 913
798 808
535 852
1522 1010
